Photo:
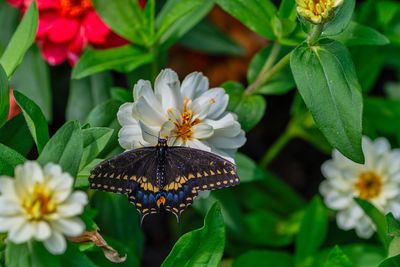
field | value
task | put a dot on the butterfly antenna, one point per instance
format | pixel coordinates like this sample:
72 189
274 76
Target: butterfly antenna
152 134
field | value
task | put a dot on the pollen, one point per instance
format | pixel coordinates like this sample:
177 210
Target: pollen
184 127
368 185
39 204
75 8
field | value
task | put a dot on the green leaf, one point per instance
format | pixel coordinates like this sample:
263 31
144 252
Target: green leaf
377 218
124 17
35 120
121 94
341 19
391 262
32 78
181 16
264 258
64 148
4 97
115 210
73 257
9 159
337 258
87 93
381 116
328 84
15 134
287 9
21 41
357 34
312 232
249 108
9 19
393 225
247 169
266 228
18 255
41 257
82 180
123 59
94 141
105 115
255 14
203 246
206 37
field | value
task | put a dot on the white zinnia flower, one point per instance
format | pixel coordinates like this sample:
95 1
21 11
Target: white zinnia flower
190 114
39 204
377 180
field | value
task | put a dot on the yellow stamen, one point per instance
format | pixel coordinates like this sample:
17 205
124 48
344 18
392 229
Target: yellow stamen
39 204
368 185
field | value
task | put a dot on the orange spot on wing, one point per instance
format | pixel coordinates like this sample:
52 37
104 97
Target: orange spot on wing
160 200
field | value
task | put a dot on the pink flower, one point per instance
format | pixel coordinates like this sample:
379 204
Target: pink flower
67 26
13 110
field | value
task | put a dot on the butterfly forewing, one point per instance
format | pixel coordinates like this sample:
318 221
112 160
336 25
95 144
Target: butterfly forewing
191 170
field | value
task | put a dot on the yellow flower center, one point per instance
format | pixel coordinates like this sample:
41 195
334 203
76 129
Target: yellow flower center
317 11
368 185
39 204
75 8
184 126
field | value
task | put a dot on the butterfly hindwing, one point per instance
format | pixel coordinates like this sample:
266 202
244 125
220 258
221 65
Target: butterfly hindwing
131 173
191 170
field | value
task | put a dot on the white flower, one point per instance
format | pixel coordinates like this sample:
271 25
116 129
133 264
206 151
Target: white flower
39 204
189 114
377 180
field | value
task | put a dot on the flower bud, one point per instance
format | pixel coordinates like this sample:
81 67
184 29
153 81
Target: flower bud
317 11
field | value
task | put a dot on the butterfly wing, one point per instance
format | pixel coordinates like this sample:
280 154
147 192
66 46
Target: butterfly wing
191 170
132 173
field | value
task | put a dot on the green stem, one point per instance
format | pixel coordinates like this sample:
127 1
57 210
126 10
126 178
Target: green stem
265 77
274 150
315 33
265 69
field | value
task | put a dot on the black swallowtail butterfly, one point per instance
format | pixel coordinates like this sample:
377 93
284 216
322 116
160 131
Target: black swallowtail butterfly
163 176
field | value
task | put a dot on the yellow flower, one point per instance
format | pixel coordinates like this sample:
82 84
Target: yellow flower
317 11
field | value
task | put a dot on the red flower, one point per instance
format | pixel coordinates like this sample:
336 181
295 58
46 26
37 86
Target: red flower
14 109
67 26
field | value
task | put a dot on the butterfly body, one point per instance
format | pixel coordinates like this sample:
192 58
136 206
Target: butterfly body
163 176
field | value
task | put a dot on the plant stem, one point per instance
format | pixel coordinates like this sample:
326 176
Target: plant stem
264 71
315 33
274 150
264 77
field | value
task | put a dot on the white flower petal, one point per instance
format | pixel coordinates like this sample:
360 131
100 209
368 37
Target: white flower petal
56 244
147 114
201 106
381 146
8 222
143 89
198 145
42 231
128 135
7 188
228 143
220 99
194 85
9 207
149 134
166 88
125 116
337 201
26 176
74 205
52 170
69 227
202 131
21 233
364 227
